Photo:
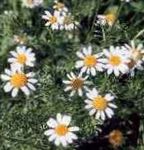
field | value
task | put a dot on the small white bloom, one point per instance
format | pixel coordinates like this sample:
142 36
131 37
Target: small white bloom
99 105
32 3
60 130
22 57
89 63
54 20
69 23
60 6
116 60
136 53
108 19
76 84
17 80
126 1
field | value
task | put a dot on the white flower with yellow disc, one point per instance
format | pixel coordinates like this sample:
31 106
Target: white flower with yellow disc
32 3
100 105
116 60
17 80
76 84
54 20
136 53
22 57
60 130
89 63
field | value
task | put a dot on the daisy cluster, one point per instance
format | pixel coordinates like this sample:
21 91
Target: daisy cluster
118 60
16 78
60 18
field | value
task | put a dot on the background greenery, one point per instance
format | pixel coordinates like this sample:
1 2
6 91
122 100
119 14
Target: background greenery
23 119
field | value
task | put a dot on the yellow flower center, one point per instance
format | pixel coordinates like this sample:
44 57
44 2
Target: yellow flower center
116 138
115 60
21 58
99 103
90 61
59 5
136 54
18 80
53 20
77 83
61 130
110 18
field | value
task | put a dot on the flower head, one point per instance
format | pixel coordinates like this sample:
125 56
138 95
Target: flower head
32 3
116 138
60 130
59 6
116 60
17 80
136 54
22 57
89 63
76 84
100 105
69 23
54 20
107 19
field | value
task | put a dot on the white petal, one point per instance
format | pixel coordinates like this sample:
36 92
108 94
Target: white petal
57 142
116 72
79 64
109 97
49 132
52 137
63 141
15 92
66 82
93 71
8 72
67 88
8 87
92 112
5 77
12 60
74 129
112 105
98 114
52 123
31 86
59 118
25 90
109 112
80 93
102 115
32 80
13 53
72 135
66 120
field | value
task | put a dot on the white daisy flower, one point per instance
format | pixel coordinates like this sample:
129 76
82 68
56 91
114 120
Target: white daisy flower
116 60
17 80
76 84
107 19
60 130
59 6
54 20
22 57
136 53
32 3
100 105
69 23
89 63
